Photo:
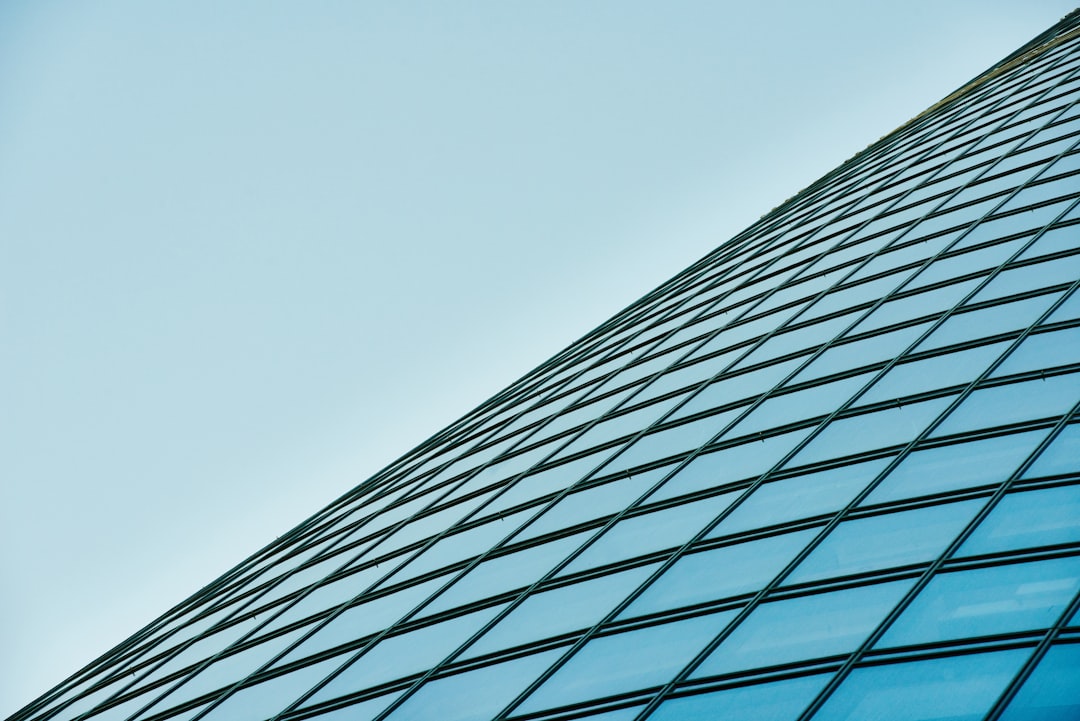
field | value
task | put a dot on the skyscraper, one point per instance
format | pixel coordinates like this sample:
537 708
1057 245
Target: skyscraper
829 471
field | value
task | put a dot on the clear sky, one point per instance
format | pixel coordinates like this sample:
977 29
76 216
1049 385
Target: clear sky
251 252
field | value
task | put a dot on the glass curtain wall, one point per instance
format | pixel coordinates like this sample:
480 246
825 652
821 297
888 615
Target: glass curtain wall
830 471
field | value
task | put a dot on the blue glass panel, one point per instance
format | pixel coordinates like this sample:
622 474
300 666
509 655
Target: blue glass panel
1031 277
777 701
654 531
799 339
476 695
892 539
1041 351
947 468
686 377
911 253
505 573
1061 456
985 322
713 575
1054 240
460 546
734 463
1027 520
627 661
987 601
807 627
405 654
548 480
596 502
267 698
365 618
561 610
875 349
852 296
931 302
1012 403
732 388
870 431
799 405
621 425
960 688
671 441
952 266
928 374
362 711
1069 310
1052 691
803 496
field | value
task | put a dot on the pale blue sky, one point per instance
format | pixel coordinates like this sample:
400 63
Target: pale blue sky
250 252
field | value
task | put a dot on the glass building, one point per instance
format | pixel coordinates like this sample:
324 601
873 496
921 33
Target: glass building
830 471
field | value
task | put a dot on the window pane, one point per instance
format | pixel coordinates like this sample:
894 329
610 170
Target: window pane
504 573
560 611
986 601
712 575
960 688
947 468
797 629
268 698
1028 520
727 465
985 322
892 539
802 496
626 662
929 374
870 431
1013 403
779 701
1041 351
405 654
1061 456
458 697
655 531
1052 691
595 502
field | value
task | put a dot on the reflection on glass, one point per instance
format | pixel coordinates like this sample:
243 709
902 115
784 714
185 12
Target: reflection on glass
1052 691
716 574
507 572
947 468
870 431
1013 403
727 465
1028 519
561 610
654 531
1042 350
404 654
808 627
627 662
455 698
892 539
961 687
930 374
778 701
266 699
1060 456
987 601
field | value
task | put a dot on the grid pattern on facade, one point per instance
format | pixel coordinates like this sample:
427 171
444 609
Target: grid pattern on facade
832 465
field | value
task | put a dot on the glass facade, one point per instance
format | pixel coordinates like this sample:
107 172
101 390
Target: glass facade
830 471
